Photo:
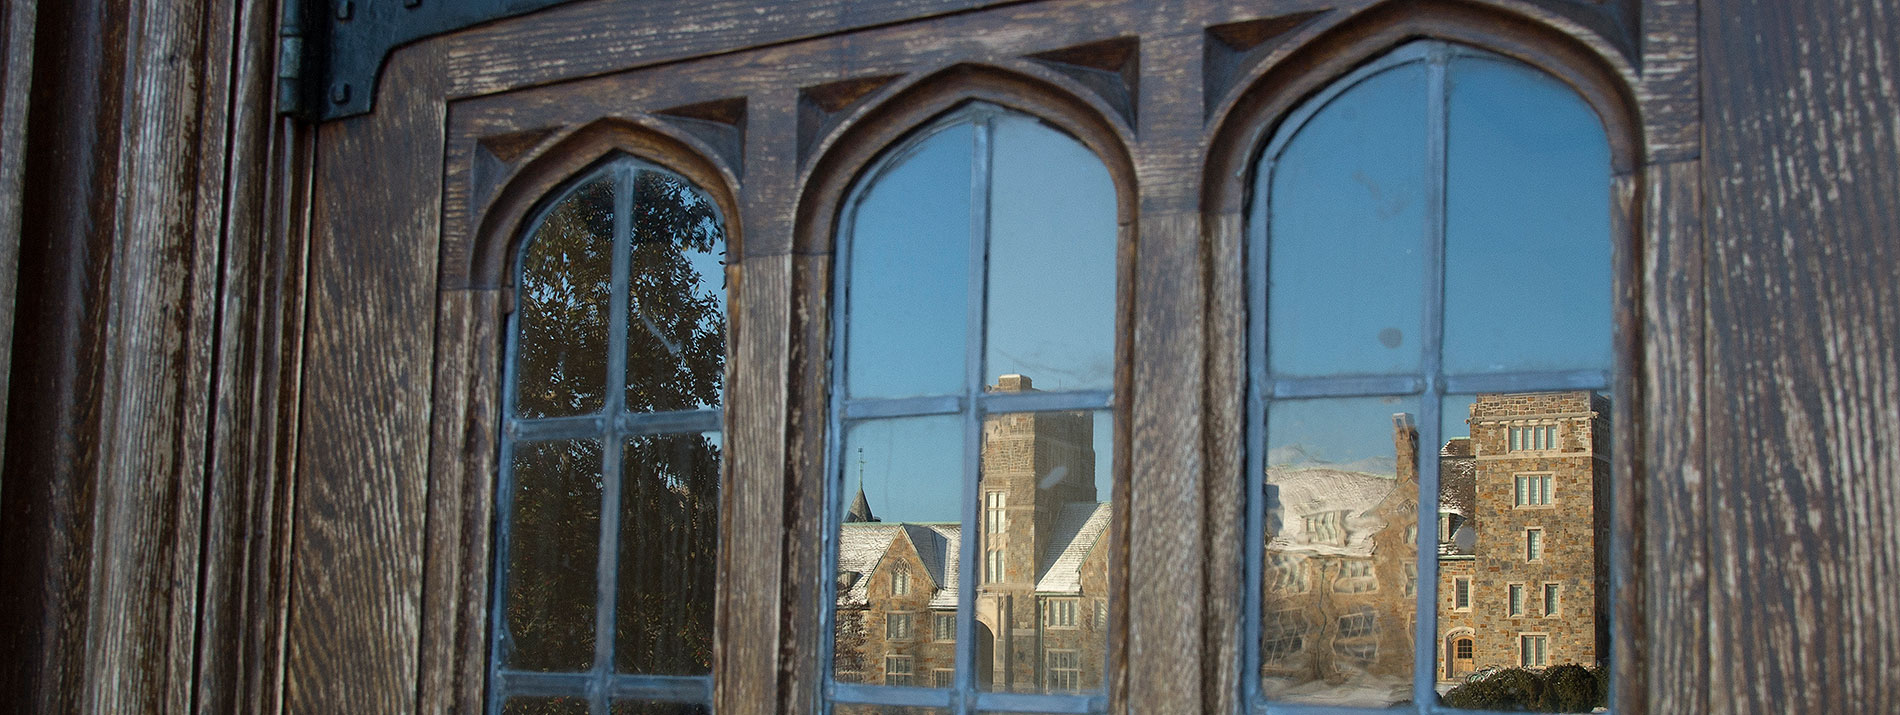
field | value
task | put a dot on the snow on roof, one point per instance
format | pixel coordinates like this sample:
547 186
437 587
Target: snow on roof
863 545
1296 493
1077 528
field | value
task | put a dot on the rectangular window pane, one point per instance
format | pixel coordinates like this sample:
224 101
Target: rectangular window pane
645 707
669 542
545 706
1340 487
676 298
562 310
904 486
1522 562
1056 468
553 565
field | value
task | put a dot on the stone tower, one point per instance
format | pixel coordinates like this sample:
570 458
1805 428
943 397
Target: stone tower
1034 464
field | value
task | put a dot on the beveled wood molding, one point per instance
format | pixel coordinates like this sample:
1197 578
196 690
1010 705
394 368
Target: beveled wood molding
490 250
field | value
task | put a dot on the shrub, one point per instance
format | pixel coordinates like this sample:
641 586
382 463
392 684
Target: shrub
1563 688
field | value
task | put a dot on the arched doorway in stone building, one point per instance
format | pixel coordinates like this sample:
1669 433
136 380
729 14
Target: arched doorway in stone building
1458 658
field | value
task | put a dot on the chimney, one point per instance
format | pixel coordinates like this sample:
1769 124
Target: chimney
1405 446
1012 383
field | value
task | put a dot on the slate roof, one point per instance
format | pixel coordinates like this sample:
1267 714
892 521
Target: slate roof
1077 527
863 545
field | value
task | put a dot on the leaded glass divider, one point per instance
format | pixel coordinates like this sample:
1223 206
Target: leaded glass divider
1308 378
930 382
610 461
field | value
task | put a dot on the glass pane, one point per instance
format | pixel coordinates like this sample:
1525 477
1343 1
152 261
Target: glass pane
1339 575
1481 646
545 706
1346 229
1042 608
898 549
554 540
853 709
1052 259
669 540
909 273
566 280
636 707
676 327
1527 249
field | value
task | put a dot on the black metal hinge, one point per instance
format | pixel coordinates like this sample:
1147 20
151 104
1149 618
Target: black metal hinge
331 52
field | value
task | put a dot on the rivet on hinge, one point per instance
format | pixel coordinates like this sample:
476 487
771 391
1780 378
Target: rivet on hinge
344 9
340 93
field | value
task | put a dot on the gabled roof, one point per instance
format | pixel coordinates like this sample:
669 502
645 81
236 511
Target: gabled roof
1076 530
862 547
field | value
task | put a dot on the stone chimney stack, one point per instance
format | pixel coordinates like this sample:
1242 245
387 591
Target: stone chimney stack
1405 446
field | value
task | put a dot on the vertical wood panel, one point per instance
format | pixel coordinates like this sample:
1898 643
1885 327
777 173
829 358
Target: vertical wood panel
462 468
17 21
360 508
1675 585
1801 173
752 531
1166 502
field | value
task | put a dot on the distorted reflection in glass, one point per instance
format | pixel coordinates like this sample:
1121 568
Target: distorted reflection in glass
844 709
1042 609
898 550
566 280
1345 233
908 291
1339 573
1527 223
669 538
545 706
676 327
1052 259
552 557
1516 632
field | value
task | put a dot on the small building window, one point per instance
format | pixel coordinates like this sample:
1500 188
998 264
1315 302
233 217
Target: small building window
993 566
1533 544
1461 593
1361 622
994 518
897 626
897 670
943 678
1532 650
1533 438
944 628
900 582
1533 490
1552 606
1517 599
1061 613
1064 671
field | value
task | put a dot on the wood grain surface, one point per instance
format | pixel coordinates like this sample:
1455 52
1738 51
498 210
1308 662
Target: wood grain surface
361 504
1801 172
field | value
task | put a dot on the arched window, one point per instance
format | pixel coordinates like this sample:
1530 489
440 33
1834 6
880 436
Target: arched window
1429 265
973 368
611 452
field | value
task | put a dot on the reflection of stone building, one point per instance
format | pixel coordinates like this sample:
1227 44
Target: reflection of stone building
1519 576
1520 515
1340 573
1042 608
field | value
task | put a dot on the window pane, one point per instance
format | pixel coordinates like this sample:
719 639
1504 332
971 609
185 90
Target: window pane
636 707
1055 468
676 298
1346 233
1341 494
909 274
906 476
545 706
1496 544
566 279
854 709
1052 259
1527 225
669 538
554 540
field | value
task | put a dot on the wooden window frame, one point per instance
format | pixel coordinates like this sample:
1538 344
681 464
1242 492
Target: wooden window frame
1180 343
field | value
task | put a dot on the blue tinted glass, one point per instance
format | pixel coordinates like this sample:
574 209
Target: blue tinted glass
566 282
909 273
1527 250
1346 229
1052 260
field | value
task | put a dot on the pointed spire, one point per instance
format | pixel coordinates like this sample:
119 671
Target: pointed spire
860 509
